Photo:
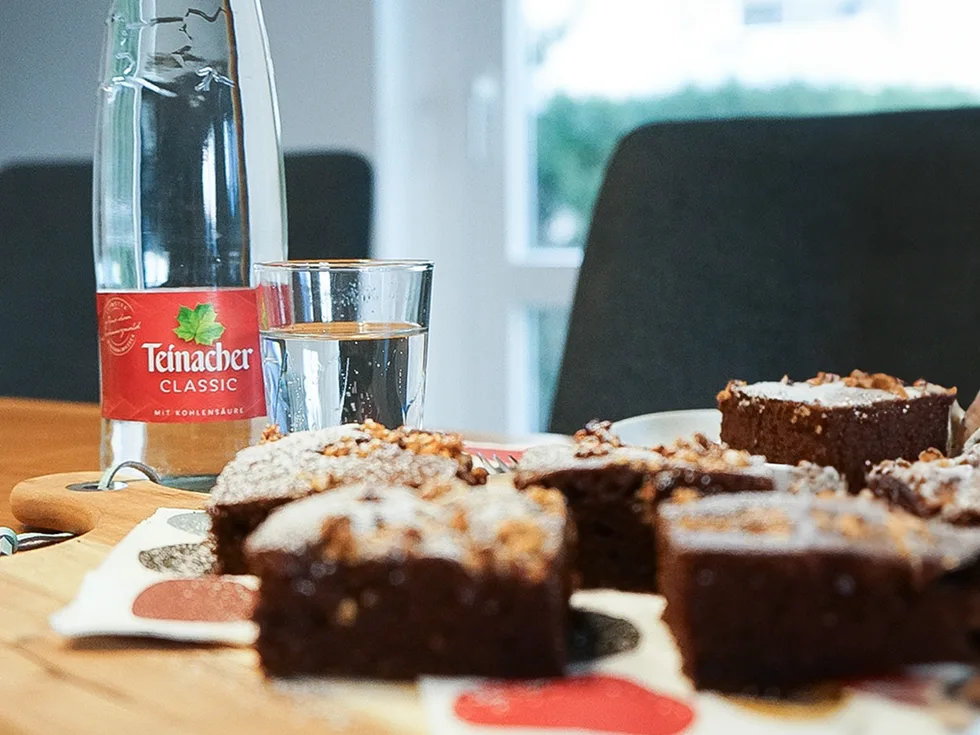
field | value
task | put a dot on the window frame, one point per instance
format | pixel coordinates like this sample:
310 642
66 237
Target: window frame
453 185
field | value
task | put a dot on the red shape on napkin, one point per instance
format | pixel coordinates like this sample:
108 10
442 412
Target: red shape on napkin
201 599
489 451
599 703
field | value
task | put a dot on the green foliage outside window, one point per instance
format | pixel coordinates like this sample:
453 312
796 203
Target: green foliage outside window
575 136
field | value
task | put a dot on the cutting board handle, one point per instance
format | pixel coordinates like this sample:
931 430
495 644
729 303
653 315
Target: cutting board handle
49 502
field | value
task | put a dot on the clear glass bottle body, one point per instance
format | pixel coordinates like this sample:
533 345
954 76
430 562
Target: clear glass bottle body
188 185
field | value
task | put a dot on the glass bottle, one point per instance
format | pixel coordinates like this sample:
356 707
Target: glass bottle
188 193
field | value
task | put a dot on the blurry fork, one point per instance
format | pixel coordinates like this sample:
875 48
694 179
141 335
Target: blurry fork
498 464
12 542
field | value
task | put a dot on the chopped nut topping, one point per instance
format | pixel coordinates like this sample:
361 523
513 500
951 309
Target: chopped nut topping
950 561
726 392
551 501
435 490
521 540
924 385
769 521
898 528
339 543
902 526
930 455
703 453
851 526
521 537
422 443
459 521
860 379
685 495
877 381
414 440
412 538
320 482
822 377
948 487
340 448
270 433
596 439
469 474
808 477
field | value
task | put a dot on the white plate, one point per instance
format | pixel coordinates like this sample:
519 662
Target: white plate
652 429
663 428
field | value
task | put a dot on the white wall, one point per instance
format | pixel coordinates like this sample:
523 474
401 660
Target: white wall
323 51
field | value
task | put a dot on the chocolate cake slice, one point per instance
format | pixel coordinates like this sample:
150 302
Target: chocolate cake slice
375 581
612 491
286 468
849 423
769 591
933 486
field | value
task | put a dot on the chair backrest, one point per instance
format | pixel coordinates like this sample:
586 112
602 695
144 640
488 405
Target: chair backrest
47 296
330 197
757 247
47 292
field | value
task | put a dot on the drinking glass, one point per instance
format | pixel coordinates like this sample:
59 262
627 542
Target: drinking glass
344 340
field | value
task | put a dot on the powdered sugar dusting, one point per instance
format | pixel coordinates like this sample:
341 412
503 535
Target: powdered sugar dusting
297 526
686 454
805 523
807 477
392 522
835 393
948 488
487 510
556 457
295 466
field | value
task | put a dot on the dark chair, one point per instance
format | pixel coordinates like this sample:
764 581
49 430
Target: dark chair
330 199
757 247
47 298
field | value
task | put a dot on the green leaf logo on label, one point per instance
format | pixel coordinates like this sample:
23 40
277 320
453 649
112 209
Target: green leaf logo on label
199 325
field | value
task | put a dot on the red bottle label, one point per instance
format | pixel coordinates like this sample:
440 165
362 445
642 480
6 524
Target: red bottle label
180 356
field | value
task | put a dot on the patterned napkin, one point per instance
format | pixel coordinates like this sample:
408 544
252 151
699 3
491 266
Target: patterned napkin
632 685
156 583
624 677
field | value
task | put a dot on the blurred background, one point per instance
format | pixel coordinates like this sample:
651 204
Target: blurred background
488 124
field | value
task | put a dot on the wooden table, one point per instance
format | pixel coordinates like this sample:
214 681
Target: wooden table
41 437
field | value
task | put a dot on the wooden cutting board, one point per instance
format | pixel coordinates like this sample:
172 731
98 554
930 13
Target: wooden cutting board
110 685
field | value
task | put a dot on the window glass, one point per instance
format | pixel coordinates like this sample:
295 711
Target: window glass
599 68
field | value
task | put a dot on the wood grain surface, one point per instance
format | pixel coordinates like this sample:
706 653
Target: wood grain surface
41 437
